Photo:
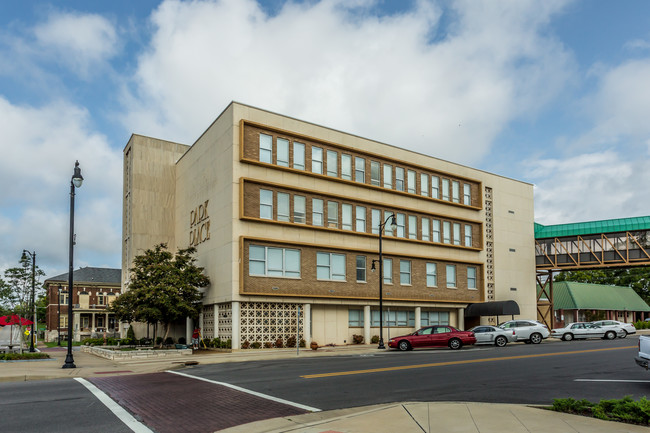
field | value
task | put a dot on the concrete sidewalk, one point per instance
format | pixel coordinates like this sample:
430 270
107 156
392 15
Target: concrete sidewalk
404 417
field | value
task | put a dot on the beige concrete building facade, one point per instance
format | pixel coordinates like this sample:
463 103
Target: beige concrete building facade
285 217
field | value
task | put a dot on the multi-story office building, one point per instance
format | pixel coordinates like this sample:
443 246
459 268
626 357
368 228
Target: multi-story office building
285 216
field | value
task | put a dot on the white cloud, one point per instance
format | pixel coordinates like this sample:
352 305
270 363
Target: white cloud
398 79
39 147
78 41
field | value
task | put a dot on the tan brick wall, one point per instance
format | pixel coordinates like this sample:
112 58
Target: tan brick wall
309 286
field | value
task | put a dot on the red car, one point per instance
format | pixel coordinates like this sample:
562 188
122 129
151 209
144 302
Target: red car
438 335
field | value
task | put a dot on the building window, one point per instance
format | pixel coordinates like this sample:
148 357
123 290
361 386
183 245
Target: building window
426 229
266 204
266 148
456 234
446 232
316 160
405 272
435 187
468 236
432 275
298 156
359 169
346 216
394 318
332 163
388 176
411 186
299 209
401 225
317 212
63 322
333 214
388 271
424 184
375 173
455 191
283 152
467 194
387 228
471 277
283 206
100 299
355 318
375 220
360 216
413 227
436 231
361 269
451 276
63 298
429 318
330 266
399 178
346 167
273 262
445 189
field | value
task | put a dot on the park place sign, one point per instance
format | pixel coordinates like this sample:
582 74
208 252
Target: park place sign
199 224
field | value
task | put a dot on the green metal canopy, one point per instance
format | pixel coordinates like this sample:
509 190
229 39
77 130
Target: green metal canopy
569 295
592 227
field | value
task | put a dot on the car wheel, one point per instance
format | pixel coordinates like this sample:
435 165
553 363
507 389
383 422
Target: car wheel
536 338
455 344
404 345
610 335
567 337
500 341
622 336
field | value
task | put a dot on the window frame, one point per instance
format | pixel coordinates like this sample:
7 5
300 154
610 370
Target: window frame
299 203
450 276
265 204
282 152
361 268
284 206
405 272
317 160
473 278
431 273
332 274
359 169
360 219
266 148
298 155
346 166
317 211
387 172
332 161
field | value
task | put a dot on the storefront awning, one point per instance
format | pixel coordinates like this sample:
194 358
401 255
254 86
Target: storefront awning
496 308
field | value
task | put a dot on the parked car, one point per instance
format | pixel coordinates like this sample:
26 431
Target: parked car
643 357
614 324
528 331
585 330
486 334
430 336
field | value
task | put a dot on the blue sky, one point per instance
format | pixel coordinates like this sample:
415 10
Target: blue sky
554 93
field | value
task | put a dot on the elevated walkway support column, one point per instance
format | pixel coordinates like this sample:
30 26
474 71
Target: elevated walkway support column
545 313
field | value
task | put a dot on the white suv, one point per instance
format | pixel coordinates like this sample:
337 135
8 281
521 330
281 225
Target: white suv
529 331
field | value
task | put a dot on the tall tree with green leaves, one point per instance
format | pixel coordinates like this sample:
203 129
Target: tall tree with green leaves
16 289
637 277
163 288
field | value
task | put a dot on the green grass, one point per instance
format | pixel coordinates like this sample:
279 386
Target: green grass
622 410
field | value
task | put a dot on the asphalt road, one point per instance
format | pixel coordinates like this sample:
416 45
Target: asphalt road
518 373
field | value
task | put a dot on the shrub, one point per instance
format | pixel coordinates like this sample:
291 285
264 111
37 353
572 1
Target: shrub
130 334
228 344
279 343
256 345
623 410
291 341
357 339
302 342
159 340
144 341
268 345
374 339
245 345
127 342
169 340
182 340
17 356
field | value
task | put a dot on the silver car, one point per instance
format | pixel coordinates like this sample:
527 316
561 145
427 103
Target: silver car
628 328
528 331
486 334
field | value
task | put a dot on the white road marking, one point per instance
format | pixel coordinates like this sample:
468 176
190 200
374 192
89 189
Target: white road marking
611 380
118 410
248 391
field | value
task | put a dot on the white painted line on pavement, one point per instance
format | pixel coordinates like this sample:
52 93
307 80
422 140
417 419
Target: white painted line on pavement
611 380
248 391
118 410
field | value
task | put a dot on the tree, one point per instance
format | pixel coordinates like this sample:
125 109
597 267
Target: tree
16 289
163 288
638 278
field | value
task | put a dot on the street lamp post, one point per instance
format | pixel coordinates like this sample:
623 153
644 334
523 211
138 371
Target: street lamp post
31 335
393 226
75 182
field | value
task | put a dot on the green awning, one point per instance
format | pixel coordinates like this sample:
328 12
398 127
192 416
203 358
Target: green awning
569 295
592 227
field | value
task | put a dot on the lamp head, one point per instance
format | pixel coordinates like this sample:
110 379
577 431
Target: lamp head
372 268
393 223
77 178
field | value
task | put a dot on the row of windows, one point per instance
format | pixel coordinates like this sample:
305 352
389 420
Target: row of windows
325 213
264 261
398 318
349 167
